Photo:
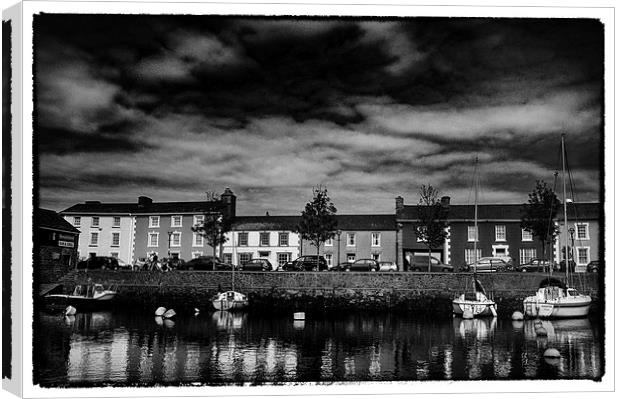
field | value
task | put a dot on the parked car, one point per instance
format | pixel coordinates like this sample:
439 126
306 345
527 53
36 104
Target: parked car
257 265
206 263
341 267
535 265
563 266
488 264
99 262
387 267
593 267
306 263
364 265
419 263
175 263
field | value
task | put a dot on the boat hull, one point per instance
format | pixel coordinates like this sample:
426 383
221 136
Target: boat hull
59 301
477 308
556 309
229 301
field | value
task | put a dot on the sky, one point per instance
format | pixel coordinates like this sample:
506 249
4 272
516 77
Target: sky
173 107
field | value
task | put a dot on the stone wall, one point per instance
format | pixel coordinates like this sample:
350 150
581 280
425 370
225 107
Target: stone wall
424 293
55 262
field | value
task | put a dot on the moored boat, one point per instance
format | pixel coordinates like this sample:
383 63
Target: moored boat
92 295
229 300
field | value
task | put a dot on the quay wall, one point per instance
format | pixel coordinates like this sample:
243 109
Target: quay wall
423 293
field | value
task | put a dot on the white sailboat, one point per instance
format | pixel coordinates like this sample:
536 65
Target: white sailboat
555 299
475 302
230 300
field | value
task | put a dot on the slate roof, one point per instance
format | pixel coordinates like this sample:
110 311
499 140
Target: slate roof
581 211
345 222
49 219
96 208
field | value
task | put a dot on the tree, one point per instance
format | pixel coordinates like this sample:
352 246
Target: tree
539 212
318 220
213 228
430 228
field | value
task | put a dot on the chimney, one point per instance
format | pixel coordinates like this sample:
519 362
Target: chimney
400 203
144 201
445 202
230 203
267 213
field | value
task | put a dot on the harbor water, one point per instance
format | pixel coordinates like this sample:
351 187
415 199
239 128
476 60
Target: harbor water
213 348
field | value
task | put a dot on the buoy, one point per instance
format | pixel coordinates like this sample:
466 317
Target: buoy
516 315
168 323
69 320
169 313
552 352
468 314
299 316
299 324
541 332
160 311
196 311
70 311
159 320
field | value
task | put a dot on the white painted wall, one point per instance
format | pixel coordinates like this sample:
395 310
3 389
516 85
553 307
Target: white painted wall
232 245
105 230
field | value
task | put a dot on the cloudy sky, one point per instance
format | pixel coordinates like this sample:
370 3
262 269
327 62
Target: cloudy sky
174 106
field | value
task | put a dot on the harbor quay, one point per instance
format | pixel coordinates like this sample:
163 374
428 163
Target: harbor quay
311 292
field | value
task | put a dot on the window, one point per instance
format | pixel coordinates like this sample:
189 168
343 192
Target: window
77 221
377 257
116 239
263 254
582 231
526 235
198 219
114 254
469 255
153 240
176 221
526 254
264 239
375 239
198 240
329 242
196 254
472 233
153 221
116 221
95 221
283 257
283 239
175 239
329 259
245 257
350 239
94 239
243 240
227 257
500 232
583 255
350 257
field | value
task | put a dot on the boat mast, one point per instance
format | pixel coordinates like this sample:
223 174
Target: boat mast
475 215
567 261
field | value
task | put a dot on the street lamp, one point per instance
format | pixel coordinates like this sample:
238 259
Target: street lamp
169 240
338 234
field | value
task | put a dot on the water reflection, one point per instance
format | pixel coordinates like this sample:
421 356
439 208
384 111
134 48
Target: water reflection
223 347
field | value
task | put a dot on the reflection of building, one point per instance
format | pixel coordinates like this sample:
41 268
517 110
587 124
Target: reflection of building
57 241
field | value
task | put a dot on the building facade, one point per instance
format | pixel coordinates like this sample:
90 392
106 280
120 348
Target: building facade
57 242
583 238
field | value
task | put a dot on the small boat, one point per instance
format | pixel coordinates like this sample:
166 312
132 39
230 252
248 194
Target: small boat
83 296
555 299
229 300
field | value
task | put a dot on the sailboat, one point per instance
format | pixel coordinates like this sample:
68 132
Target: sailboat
230 300
555 299
475 301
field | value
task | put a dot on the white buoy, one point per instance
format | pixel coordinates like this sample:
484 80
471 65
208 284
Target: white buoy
160 311
169 313
516 315
168 323
70 311
552 352
196 311
299 316
468 314
159 320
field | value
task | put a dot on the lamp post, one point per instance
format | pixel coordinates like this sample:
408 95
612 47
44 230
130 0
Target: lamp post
338 234
169 240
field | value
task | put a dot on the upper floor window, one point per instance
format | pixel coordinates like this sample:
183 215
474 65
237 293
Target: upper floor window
500 232
264 239
472 233
198 219
375 239
243 239
95 221
583 255
116 239
583 232
526 235
175 239
77 221
198 240
350 239
176 221
116 221
153 240
153 221
94 239
283 239
329 242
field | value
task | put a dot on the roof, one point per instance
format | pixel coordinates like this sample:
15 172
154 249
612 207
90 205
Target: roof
96 208
52 220
502 212
345 222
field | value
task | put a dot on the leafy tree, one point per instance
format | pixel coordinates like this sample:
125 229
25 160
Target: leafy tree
539 212
430 228
213 228
318 220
